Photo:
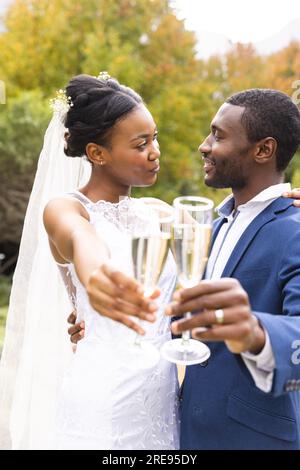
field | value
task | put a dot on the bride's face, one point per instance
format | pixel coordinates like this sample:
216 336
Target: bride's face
132 158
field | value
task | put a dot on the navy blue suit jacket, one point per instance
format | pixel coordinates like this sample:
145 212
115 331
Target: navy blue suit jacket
221 408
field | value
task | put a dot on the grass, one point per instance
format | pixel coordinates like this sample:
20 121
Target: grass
3 313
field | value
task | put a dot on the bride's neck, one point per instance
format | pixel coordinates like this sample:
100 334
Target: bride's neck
99 188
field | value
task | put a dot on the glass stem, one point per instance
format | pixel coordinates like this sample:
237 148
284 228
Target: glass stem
138 339
186 335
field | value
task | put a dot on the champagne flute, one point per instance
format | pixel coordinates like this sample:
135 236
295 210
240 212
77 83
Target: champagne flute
150 243
190 245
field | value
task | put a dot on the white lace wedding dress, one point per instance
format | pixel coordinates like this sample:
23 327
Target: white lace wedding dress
105 402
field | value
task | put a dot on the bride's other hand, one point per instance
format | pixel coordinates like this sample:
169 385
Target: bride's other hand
119 297
293 194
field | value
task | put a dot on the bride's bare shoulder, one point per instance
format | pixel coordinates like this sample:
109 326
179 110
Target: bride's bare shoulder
60 206
61 217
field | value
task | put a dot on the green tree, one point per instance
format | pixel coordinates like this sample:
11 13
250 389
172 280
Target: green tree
64 37
283 68
244 68
22 124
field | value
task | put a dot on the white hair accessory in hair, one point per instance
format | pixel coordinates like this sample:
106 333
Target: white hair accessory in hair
61 104
104 76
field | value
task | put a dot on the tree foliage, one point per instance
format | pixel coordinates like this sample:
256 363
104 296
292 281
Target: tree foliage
22 124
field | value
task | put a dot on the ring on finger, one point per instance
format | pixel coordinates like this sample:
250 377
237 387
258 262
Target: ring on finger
219 314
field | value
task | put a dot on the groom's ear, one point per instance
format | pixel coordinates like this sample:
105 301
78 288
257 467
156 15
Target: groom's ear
95 153
265 150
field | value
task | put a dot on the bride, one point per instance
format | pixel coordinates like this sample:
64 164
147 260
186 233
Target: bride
96 400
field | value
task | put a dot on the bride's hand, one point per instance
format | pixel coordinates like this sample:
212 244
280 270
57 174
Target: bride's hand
293 194
119 297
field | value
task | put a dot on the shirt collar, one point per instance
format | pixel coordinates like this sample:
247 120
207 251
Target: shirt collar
272 192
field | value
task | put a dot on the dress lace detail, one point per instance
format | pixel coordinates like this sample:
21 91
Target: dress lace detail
116 213
105 404
127 215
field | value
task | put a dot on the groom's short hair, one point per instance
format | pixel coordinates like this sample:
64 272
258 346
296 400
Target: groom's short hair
270 113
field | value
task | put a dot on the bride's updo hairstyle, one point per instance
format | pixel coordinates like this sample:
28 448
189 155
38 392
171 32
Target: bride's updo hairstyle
97 105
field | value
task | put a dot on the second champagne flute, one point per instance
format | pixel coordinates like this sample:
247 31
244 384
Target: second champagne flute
190 245
150 241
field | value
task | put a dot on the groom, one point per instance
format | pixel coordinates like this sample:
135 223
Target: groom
247 396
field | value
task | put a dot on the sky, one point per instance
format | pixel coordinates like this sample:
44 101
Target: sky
238 20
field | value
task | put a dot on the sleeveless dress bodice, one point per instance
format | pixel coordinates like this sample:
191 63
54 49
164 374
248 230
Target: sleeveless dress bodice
105 402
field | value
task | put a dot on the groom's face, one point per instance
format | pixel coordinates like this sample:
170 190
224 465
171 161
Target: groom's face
227 153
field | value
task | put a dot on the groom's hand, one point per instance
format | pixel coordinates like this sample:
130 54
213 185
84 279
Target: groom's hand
76 331
293 194
233 323
120 297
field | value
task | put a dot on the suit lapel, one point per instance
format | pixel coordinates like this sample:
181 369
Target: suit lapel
270 213
217 224
216 228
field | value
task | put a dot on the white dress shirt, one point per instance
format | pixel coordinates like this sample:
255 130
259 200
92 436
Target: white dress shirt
261 366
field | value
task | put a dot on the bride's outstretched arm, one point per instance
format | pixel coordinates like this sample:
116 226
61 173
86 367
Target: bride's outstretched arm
73 239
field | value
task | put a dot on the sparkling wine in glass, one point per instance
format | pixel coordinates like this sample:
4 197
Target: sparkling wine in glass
190 242
150 243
